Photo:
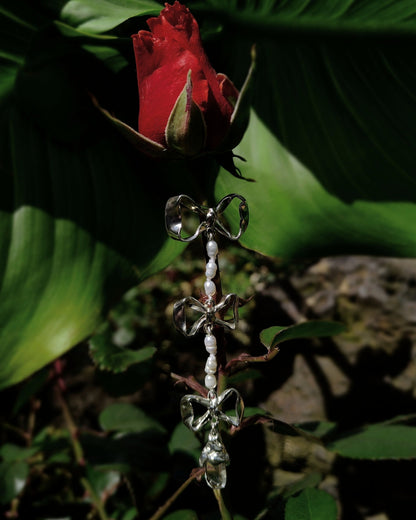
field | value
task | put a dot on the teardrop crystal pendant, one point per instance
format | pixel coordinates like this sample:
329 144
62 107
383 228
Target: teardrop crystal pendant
216 476
214 458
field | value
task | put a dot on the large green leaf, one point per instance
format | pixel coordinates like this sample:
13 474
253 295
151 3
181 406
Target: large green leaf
68 244
336 85
81 219
293 215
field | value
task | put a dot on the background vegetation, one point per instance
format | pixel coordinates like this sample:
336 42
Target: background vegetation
81 222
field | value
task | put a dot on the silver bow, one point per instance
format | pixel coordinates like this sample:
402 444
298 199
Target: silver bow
213 405
214 456
208 314
208 217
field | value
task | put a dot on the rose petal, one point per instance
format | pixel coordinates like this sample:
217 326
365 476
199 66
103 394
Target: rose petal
163 58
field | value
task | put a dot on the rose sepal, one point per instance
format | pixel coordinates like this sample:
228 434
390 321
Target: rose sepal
139 141
241 114
186 130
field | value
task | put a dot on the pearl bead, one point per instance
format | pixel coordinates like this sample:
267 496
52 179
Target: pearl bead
210 288
210 381
212 248
211 365
210 340
210 344
211 269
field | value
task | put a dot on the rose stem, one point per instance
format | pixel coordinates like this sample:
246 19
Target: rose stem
60 387
225 514
162 509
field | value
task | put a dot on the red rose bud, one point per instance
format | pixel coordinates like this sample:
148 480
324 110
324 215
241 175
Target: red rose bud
185 105
186 108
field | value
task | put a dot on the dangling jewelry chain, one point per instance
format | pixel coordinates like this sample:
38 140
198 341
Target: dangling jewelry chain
214 457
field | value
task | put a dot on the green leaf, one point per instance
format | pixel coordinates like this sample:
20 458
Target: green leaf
131 514
103 482
249 374
184 440
29 389
109 356
183 514
125 417
292 215
317 428
273 336
309 481
283 428
335 85
13 477
72 32
14 453
112 58
80 250
241 113
97 16
377 441
311 504
15 34
19 14
80 222
144 451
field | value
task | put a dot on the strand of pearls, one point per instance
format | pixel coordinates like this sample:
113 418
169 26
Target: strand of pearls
210 290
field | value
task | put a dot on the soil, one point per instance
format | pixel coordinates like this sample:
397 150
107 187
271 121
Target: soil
364 375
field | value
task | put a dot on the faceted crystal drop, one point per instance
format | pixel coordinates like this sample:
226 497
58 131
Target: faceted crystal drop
216 476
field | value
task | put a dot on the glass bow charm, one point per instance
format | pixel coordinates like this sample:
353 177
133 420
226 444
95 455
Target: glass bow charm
210 314
214 456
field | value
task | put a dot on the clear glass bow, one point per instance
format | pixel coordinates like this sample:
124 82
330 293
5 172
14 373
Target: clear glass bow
209 218
214 457
208 314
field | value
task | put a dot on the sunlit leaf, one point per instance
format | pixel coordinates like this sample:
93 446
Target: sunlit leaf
293 215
